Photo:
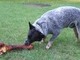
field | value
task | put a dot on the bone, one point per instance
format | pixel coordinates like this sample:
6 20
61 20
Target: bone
5 48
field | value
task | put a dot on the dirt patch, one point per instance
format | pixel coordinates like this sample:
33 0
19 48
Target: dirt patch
36 4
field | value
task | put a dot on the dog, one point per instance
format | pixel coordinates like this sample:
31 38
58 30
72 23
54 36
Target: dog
52 22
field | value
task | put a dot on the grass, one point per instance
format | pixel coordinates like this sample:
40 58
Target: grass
14 18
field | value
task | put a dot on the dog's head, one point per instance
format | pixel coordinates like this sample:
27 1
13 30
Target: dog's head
33 35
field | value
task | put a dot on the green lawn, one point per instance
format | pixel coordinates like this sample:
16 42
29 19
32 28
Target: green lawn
14 18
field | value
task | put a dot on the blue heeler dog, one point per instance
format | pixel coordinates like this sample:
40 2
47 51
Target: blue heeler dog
52 22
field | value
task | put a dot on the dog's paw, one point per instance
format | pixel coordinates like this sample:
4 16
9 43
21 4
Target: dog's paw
47 47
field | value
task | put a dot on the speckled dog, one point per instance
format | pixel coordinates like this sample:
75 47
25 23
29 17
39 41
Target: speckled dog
52 22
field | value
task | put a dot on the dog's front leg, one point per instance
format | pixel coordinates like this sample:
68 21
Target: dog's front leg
43 40
51 40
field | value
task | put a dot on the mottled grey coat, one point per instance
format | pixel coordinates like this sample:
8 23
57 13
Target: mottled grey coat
55 20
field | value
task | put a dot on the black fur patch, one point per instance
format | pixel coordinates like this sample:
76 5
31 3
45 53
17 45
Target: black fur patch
33 35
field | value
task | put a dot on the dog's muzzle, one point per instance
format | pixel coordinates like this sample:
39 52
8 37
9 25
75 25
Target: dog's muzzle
27 42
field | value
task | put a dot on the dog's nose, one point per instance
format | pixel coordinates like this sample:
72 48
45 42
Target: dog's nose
27 42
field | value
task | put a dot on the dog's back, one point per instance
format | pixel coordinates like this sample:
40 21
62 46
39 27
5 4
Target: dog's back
59 18
63 16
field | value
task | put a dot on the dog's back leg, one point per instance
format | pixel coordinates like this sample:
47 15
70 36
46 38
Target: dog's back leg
77 30
76 33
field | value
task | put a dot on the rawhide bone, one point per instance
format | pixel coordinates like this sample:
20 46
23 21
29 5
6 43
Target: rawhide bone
4 48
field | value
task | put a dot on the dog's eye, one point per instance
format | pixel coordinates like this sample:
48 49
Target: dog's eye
29 36
36 36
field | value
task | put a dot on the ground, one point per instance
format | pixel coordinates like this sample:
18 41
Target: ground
14 18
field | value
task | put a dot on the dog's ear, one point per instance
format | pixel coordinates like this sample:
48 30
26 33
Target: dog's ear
31 26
